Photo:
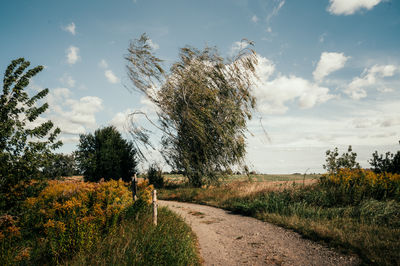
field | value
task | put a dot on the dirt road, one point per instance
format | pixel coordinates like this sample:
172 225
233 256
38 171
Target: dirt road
230 239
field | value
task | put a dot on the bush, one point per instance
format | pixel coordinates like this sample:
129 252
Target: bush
354 185
155 177
346 160
390 163
67 217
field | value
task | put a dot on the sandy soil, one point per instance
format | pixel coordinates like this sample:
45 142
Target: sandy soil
230 239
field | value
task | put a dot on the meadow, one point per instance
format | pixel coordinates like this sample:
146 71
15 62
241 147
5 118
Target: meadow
355 211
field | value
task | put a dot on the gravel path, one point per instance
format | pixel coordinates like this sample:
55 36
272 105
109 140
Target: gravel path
230 239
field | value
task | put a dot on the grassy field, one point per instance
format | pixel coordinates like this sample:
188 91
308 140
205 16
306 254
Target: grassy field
352 218
177 179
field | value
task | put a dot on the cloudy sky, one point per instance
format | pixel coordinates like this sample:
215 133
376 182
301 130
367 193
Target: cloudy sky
329 69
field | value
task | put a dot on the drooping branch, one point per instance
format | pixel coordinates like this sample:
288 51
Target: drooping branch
203 105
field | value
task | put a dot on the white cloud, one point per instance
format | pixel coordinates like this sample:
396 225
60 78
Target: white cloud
348 7
122 120
67 80
275 10
65 139
370 77
301 141
72 55
254 19
274 94
108 73
237 46
328 63
278 4
148 107
103 63
385 90
153 45
110 76
72 116
70 28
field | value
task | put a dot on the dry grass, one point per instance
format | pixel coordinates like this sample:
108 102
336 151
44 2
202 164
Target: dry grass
214 195
246 188
74 178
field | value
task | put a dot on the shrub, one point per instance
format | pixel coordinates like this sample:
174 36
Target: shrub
346 160
154 175
358 184
390 163
67 217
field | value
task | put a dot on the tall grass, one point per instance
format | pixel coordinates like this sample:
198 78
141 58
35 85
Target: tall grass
139 242
355 210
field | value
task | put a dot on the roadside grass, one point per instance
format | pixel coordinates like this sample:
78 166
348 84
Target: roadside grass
327 212
139 242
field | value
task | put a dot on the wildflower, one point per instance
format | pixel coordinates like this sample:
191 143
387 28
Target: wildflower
24 254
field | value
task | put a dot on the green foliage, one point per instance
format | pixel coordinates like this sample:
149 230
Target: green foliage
390 163
203 106
105 154
25 144
155 177
60 165
347 160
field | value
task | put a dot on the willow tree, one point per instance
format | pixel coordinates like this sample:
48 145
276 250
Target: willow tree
203 104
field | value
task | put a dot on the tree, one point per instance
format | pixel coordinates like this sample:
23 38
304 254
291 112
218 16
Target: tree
346 160
61 165
25 143
203 106
105 154
390 163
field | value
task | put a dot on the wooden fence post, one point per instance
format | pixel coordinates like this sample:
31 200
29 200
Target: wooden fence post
155 207
134 187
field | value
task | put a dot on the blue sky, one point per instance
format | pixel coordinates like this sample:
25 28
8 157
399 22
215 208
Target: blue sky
329 69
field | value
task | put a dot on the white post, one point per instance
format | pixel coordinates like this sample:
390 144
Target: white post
155 207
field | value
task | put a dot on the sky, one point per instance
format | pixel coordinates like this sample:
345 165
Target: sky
329 70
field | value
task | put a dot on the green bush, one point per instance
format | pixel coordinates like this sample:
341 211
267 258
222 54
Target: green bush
390 163
155 177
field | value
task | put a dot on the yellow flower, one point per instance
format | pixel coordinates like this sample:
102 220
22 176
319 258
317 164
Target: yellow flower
24 254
